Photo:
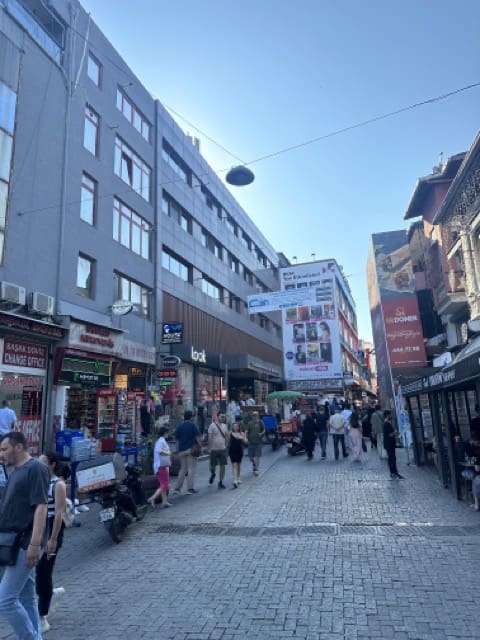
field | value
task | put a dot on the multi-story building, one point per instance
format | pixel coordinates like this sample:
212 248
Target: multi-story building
111 225
321 338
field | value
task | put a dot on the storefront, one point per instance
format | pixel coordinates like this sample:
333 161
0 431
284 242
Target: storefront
441 406
100 379
26 346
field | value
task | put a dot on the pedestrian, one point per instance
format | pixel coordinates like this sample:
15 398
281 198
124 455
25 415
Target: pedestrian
337 426
377 430
322 430
254 432
7 418
235 451
161 467
145 418
356 436
187 436
23 509
218 439
367 424
389 444
48 597
309 434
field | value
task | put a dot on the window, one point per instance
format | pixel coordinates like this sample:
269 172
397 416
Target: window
94 70
217 250
90 135
234 264
132 169
204 238
88 199
175 211
137 294
247 276
131 230
211 289
230 224
235 303
176 163
176 266
85 274
133 115
245 240
8 102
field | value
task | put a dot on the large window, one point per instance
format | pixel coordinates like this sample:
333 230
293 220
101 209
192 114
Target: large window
131 230
8 101
175 266
85 275
211 289
90 135
173 210
132 169
176 163
137 294
88 201
94 70
133 115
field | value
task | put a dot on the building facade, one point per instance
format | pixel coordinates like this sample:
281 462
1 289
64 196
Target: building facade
111 225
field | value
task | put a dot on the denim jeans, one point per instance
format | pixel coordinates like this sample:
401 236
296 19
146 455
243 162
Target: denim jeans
339 438
18 601
322 437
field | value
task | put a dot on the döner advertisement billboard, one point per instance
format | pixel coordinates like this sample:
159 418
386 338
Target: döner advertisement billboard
311 341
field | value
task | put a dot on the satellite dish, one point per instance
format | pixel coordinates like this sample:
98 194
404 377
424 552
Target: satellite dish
121 307
240 176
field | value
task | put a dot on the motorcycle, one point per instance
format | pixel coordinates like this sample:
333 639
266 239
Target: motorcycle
121 497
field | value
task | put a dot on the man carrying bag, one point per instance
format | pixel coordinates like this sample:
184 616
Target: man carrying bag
23 510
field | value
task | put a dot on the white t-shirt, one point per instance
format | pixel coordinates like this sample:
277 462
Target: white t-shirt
216 440
161 460
337 423
7 419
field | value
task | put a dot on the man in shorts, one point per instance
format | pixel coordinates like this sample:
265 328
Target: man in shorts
218 438
254 431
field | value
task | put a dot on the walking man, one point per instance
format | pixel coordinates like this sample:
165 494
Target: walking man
390 445
187 435
7 418
337 429
377 420
23 509
322 430
254 431
218 438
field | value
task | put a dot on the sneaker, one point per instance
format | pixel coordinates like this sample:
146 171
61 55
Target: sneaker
235 485
400 477
83 508
212 478
221 485
44 625
255 473
239 481
58 594
192 491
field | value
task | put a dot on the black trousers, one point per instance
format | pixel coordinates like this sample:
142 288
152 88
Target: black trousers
392 461
44 576
339 438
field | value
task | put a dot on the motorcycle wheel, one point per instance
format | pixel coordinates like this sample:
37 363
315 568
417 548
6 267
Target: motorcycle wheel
141 511
116 530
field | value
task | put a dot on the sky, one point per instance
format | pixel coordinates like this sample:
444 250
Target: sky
260 76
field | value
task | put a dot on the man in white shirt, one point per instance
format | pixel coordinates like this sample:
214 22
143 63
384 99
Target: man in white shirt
218 438
337 426
7 418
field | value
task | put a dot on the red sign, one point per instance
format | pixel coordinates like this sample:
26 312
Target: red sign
24 354
404 334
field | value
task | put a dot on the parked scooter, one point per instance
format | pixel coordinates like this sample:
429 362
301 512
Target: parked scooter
295 446
123 499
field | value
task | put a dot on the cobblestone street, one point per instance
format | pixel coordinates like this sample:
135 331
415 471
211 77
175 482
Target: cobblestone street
311 550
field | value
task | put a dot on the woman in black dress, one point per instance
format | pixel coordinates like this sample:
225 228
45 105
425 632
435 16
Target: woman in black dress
235 451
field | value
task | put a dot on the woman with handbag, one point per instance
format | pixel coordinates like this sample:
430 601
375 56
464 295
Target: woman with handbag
235 451
161 467
48 597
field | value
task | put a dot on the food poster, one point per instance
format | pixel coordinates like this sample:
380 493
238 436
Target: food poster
311 341
393 263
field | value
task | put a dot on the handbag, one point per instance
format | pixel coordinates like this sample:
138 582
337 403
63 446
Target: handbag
9 547
195 450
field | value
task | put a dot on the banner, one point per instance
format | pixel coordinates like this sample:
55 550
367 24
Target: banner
277 300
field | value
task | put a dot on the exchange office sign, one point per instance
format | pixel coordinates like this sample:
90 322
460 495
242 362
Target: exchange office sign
24 354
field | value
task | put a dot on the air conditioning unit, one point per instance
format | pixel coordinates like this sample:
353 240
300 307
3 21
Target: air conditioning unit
41 303
10 292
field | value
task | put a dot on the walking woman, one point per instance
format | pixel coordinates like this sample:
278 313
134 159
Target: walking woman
356 436
48 597
235 451
389 444
161 467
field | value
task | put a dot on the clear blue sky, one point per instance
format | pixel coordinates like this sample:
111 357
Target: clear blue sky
261 75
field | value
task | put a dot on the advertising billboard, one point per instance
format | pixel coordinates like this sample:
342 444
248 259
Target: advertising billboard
395 294
311 340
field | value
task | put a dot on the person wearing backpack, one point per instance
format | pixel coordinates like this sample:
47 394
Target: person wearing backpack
48 597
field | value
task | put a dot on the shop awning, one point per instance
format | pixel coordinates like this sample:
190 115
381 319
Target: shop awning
466 365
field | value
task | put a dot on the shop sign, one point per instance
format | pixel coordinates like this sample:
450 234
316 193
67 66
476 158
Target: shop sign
87 372
198 356
137 352
31 429
45 329
95 338
24 354
170 362
172 333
